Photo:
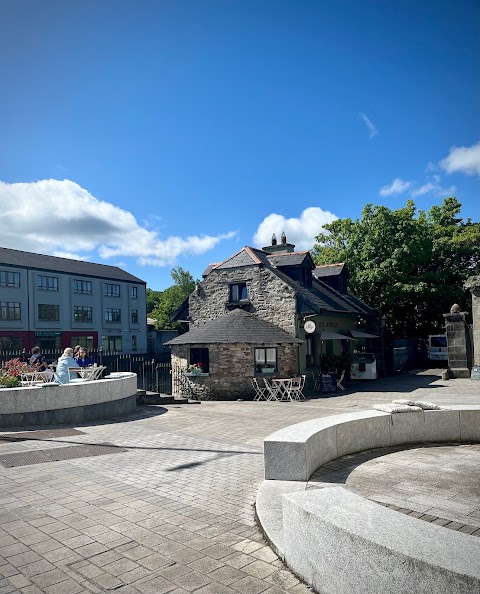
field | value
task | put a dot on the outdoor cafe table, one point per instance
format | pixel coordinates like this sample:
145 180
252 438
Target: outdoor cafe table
87 373
282 388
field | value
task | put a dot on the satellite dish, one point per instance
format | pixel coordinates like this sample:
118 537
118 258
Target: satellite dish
309 326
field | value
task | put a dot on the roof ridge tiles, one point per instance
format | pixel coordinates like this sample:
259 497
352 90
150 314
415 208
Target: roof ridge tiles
295 253
248 250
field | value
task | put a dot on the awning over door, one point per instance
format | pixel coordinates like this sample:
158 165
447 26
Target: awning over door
359 334
327 335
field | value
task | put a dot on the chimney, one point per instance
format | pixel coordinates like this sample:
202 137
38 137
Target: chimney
283 248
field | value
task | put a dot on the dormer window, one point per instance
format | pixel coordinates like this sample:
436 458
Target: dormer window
238 292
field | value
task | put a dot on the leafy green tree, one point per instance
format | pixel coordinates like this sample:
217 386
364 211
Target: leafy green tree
409 264
171 299
153 298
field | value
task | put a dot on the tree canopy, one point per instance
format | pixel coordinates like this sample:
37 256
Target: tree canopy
153 299
409 264
167 301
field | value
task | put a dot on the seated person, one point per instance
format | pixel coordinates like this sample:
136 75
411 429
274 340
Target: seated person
37 361
62 375
83 360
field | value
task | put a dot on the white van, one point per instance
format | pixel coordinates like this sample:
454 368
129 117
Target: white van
437 347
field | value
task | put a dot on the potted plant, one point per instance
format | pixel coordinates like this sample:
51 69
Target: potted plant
195 368
268 368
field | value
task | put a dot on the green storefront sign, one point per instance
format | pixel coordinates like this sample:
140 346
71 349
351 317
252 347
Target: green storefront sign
47 333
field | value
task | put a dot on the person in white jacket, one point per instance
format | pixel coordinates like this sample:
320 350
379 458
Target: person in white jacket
62 374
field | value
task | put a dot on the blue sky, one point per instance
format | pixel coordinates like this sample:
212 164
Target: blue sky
151 134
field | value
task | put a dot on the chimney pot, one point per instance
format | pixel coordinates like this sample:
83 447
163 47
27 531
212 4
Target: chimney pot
274 239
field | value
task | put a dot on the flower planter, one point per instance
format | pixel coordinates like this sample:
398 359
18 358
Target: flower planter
268 369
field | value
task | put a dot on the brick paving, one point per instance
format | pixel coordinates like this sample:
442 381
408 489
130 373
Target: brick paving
437 483
174 513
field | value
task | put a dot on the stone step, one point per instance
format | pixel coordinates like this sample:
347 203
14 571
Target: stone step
146 397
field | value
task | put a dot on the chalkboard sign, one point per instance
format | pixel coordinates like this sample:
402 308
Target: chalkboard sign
328 382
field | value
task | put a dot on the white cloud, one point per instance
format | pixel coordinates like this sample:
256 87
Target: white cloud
61 218
370 125
299 231
435 188
69 255
465 159
398 186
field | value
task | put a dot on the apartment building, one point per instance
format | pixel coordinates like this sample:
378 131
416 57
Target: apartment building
58 302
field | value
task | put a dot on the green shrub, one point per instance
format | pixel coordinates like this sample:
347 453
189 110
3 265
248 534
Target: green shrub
9 381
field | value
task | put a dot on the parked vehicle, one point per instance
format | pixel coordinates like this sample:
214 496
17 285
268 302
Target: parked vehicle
437 347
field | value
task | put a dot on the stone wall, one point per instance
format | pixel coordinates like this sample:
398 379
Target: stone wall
270 298
231 369
54 404
473 285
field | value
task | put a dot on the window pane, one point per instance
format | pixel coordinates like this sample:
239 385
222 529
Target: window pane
112 290
10 310
200 355
272 356
48 312
238 292
9 279
260 356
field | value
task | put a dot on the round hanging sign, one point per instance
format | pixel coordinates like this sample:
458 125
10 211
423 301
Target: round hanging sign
309 326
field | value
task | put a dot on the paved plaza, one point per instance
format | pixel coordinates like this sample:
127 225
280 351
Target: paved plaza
169 508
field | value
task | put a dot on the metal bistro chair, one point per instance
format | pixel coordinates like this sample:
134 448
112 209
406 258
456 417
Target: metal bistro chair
296 388
260 393
272 390
340 381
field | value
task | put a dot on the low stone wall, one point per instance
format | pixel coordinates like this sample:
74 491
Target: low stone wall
53 404
294 453
339 542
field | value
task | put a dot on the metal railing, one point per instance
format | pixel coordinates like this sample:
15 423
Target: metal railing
153 372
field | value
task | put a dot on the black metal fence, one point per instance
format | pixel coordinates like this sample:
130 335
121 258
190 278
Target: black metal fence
153 371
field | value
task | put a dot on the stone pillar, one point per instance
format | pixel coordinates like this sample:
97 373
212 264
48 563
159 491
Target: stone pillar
457 341
376 325
473 284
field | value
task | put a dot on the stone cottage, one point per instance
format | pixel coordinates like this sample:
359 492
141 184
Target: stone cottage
266 312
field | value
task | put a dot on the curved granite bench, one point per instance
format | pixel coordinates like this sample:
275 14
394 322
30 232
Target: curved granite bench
54 404
338 541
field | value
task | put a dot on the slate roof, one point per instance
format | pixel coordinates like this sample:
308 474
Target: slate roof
21 259
289 259
209 269
236 326
321 298
247 256
328 270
